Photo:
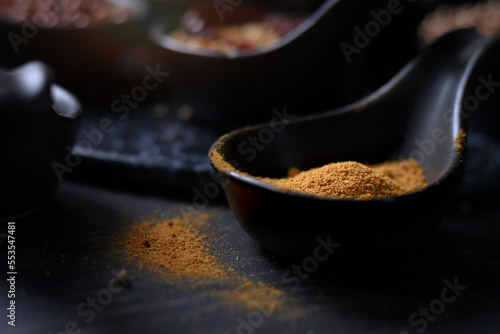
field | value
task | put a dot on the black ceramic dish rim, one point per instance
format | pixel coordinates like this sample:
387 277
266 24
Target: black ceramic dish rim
60 95
456 162
158 35
138 8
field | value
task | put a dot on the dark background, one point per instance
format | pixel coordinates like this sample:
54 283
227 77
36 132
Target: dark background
155 159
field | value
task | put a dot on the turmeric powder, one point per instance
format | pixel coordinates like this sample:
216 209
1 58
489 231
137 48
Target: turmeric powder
352 179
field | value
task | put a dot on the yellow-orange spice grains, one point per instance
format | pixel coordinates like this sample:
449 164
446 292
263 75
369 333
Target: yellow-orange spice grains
460 139
178 249
172 245
254 295
352 179
407 174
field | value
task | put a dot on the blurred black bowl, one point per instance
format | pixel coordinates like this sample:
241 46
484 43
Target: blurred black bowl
97 61
40 120
306 70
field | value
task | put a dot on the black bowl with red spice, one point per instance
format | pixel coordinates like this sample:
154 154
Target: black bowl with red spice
229 84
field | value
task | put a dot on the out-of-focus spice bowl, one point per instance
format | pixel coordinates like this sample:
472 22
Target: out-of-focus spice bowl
243 87
97 49
483 16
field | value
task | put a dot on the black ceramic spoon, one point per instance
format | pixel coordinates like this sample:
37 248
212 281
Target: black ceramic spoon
229 90
210 15
418 114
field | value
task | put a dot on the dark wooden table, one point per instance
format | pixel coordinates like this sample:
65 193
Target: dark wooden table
65 254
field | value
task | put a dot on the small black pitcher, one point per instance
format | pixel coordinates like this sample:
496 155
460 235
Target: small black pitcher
39 123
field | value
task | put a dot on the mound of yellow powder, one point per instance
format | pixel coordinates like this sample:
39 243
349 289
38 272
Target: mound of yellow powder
352 179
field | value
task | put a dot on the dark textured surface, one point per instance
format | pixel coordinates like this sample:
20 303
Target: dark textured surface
65 254
147 150
157 151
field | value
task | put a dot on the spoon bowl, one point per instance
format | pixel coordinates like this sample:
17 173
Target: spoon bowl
232 90
418 114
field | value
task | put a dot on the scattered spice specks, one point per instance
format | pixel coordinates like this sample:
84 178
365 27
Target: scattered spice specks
178 250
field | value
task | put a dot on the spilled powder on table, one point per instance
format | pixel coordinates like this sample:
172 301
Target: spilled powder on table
177 250
172 245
